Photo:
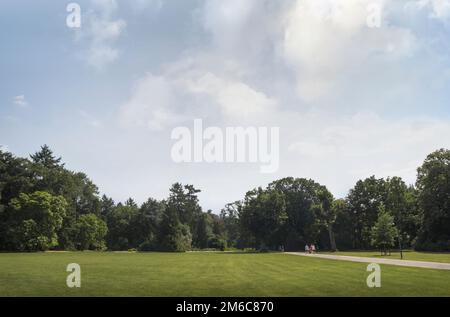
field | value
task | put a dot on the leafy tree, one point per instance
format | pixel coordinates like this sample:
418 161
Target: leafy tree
90 232
131 203
230 217
203 231
120 231
16 176
401 203
325 213
106 207
35 219
384 232
433 185
145 224
302 199
264 215
343 227
46 158
173 235
364 201
217 242
183 203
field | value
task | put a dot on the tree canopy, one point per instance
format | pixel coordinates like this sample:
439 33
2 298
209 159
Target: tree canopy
43 206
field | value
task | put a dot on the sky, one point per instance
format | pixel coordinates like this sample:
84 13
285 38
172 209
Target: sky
351 98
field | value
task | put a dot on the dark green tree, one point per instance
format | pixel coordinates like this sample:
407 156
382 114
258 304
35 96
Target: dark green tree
46 158
264 216
173 236
383 232
106 206
90 232
302 199
145 224
120 230
364 201
433 185
230 217
34 221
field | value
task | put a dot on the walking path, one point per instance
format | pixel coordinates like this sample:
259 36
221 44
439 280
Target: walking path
420 264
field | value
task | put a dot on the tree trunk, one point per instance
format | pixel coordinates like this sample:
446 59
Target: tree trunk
332 239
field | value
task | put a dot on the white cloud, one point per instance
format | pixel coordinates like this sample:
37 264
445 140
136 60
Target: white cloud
100 31
258 53
20 101
235 99
185 91
340 150
151 105
327 41
440 9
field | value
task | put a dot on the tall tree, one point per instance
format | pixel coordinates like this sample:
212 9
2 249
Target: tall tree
183 201
106 206
90 232
146 222
264 215
302 197
364 201
343 227
401 203
173 235
120 230
230 216
34 221
383 232
46 158
325 213
433 184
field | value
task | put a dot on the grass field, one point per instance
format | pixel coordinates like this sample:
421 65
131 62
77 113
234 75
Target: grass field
407 255
208 274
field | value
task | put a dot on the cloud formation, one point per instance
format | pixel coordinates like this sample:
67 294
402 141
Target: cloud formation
20 101
101 30
320 72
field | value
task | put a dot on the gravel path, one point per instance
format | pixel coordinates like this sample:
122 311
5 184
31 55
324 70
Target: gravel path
420 264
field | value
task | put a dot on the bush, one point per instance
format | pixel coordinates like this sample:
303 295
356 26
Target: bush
90 232
177 239
218 243
148 246
439 246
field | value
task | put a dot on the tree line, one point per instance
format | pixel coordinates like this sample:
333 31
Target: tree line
44 206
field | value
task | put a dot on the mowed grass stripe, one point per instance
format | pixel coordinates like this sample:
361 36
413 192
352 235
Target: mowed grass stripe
208 274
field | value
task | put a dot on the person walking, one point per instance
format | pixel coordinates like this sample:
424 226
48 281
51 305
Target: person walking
313 248
306 249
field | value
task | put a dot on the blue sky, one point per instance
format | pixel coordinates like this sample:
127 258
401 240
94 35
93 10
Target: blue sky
350 100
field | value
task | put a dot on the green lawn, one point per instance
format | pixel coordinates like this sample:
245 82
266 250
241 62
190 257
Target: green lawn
407 255
208 274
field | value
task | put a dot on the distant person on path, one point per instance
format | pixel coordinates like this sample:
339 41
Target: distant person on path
306 249
313 248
